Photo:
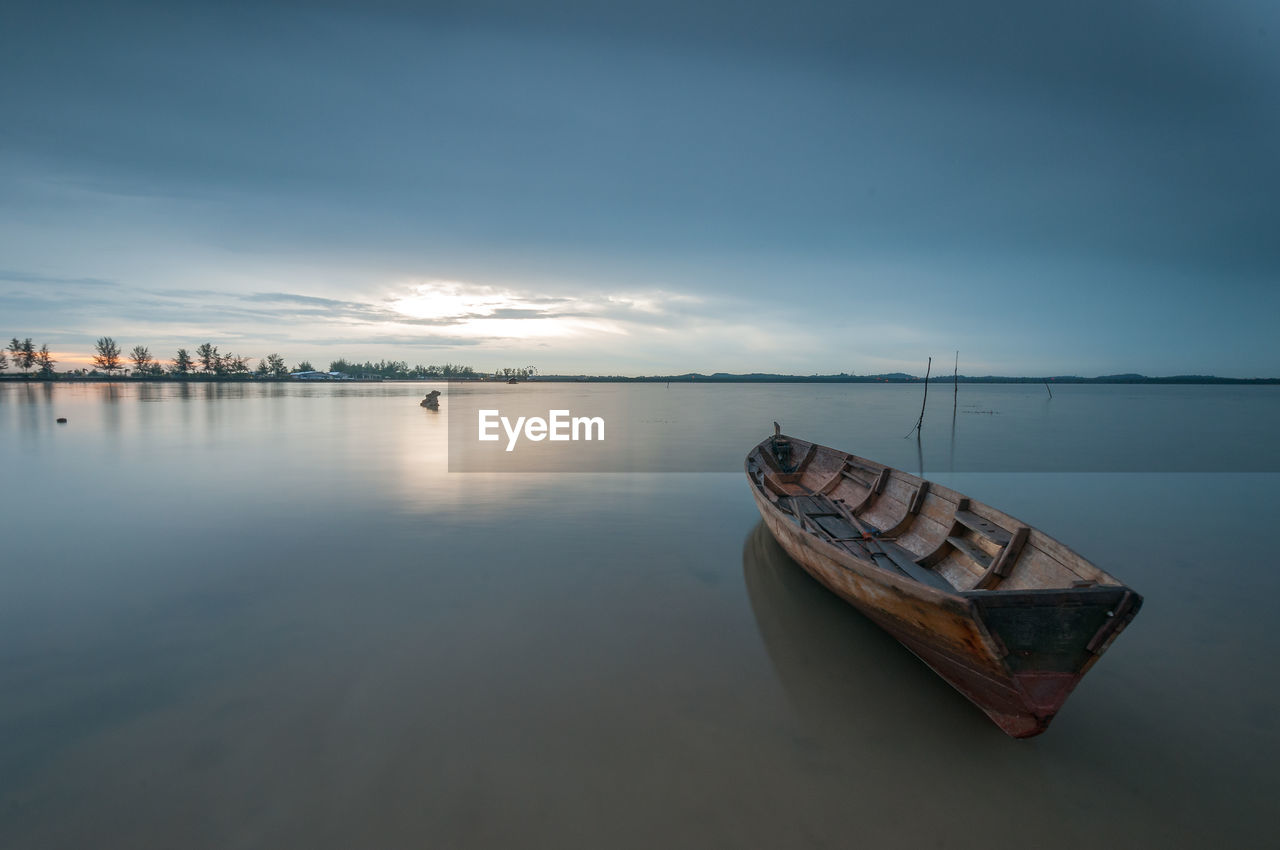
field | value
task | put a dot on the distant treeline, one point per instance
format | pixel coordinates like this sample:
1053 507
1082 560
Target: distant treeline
398 369
207 362
27 357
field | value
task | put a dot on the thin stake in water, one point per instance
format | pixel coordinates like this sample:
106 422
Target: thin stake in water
955 392
920 421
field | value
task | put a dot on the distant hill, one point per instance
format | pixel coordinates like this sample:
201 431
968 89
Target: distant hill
903 378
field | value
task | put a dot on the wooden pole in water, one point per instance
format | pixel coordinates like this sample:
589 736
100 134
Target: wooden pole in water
955 394
1046 386
920 421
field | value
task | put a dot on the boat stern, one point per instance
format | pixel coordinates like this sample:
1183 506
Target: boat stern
1048 640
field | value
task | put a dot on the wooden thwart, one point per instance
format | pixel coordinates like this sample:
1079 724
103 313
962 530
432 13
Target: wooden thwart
970 551
1004 561
917 498
985 527
846 530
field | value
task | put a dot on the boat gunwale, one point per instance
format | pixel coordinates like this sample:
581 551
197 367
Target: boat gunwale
868 569
1036 538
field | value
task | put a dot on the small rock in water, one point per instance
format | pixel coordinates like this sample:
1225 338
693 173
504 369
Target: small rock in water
62 420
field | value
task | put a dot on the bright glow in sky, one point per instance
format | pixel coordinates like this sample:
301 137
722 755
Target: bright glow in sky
489 313
450 300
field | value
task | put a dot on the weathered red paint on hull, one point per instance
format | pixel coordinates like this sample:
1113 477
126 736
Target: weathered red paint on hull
1007 703
1003 698
949 632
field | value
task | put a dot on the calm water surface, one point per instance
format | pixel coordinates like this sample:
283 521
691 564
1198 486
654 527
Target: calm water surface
266 615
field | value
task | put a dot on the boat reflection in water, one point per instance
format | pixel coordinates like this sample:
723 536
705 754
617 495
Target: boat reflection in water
842 671
907 752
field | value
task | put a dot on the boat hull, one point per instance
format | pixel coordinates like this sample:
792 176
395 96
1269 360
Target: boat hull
1016 656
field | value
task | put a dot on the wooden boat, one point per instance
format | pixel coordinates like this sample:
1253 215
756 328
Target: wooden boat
1007 615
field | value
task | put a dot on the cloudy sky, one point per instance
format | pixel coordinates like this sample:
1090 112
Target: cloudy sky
1087 187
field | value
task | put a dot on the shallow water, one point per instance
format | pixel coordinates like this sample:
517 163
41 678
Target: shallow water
266 615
